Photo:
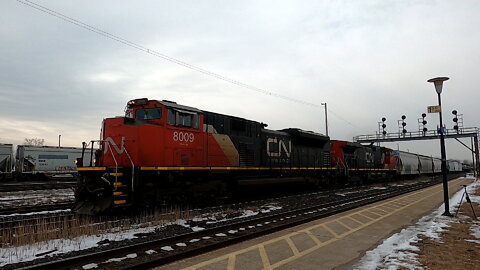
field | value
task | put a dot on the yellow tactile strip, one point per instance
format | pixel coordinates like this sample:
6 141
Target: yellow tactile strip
324 233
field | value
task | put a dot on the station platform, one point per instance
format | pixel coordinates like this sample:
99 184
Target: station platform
335 242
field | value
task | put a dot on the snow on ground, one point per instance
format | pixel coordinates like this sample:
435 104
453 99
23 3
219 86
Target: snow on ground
222 217
129 256
38 213
34 197
60 246
396 251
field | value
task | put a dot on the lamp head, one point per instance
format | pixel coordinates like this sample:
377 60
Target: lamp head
438 82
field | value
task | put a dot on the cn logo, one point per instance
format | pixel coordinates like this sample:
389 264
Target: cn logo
110 143
279 147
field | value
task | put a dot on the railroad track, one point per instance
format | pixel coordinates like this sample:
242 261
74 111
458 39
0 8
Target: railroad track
35 208
158 252
23 186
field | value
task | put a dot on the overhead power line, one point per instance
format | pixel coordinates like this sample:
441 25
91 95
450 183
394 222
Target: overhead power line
166 57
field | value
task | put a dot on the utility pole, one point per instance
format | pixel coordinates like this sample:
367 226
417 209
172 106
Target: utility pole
326 119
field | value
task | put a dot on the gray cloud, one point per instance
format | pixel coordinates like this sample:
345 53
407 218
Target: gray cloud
367 59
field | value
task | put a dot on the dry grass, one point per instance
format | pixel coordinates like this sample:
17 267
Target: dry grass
68 227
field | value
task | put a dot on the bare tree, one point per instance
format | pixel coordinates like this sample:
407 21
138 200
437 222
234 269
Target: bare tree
34 141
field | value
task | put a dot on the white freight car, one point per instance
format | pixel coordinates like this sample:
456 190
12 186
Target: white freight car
408 163
454 165
426 164
47 161
6 160
437 165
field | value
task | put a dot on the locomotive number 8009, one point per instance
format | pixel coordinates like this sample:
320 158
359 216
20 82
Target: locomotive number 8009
183 136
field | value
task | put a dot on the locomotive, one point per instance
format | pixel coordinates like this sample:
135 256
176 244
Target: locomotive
162 151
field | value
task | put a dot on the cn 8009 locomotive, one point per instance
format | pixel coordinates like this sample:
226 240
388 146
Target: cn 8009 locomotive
162 151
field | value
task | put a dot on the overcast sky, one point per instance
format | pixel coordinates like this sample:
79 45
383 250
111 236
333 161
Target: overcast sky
366 59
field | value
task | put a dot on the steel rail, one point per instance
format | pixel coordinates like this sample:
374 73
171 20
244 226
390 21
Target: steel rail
36 208
8 187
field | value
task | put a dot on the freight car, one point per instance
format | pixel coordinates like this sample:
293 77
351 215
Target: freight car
46 162
415 164
162 151
6 160
454 166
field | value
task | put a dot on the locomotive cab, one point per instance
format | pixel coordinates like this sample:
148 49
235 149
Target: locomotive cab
151 133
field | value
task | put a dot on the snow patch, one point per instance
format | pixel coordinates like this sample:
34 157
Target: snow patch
475 230
167 248
90 266
129 256
196 229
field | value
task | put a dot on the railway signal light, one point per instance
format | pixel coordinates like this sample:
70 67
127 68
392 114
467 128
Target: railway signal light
421 123
383 126
455 120
402 124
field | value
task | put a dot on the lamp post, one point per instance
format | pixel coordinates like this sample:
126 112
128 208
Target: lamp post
326 118
438 82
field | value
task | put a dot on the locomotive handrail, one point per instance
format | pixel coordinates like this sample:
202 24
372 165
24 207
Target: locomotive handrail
133 165
114 159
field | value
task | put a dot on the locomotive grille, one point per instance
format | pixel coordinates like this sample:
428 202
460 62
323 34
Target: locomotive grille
326 159
246 155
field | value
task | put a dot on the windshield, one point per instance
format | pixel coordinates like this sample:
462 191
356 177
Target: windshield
152 113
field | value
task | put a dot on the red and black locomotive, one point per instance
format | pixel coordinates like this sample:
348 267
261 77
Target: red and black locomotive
162 151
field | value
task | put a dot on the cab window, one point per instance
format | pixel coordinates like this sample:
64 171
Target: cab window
128 113
182 118
147 114
171 117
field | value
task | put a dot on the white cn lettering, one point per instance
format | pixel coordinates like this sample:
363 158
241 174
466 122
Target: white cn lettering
281 147
111 143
